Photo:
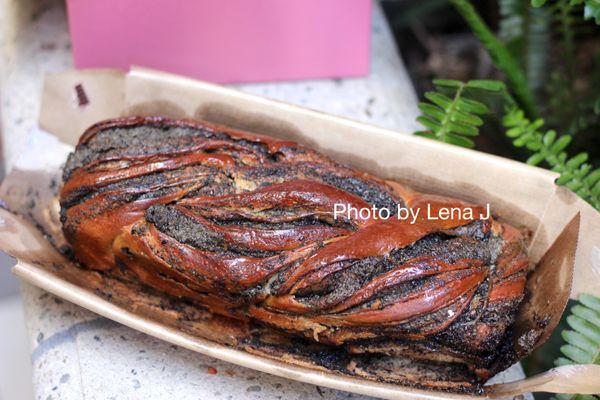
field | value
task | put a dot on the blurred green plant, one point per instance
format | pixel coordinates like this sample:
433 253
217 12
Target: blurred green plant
525 31
502 58
582 340
591 8
548 147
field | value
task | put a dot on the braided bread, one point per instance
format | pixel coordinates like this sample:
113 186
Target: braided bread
244 224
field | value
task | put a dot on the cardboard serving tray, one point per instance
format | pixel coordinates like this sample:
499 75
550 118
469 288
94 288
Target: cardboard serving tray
565 231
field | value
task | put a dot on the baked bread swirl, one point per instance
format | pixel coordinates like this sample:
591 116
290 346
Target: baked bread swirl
244 225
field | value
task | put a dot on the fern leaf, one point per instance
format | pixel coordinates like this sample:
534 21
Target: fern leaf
500 55
590 301
511 23
537 47
525 31
548 147
450 116
583 339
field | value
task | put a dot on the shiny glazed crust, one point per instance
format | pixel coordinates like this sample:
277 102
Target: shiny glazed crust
244 225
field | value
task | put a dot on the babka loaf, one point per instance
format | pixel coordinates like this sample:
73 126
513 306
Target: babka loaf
246 225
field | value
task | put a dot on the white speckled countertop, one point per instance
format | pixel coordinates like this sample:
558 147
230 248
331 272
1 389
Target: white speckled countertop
79 355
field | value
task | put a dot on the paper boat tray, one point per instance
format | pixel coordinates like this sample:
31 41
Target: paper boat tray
565 231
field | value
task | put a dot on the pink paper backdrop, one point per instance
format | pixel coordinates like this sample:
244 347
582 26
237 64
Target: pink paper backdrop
224 40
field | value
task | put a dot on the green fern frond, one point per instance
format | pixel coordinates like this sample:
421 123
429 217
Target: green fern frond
548 147
511 23
591 8
537 47
500 55
582 340
451 115
576 397
566 21
454 115
525 31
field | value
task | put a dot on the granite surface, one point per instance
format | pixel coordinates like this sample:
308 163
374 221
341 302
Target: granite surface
79 355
